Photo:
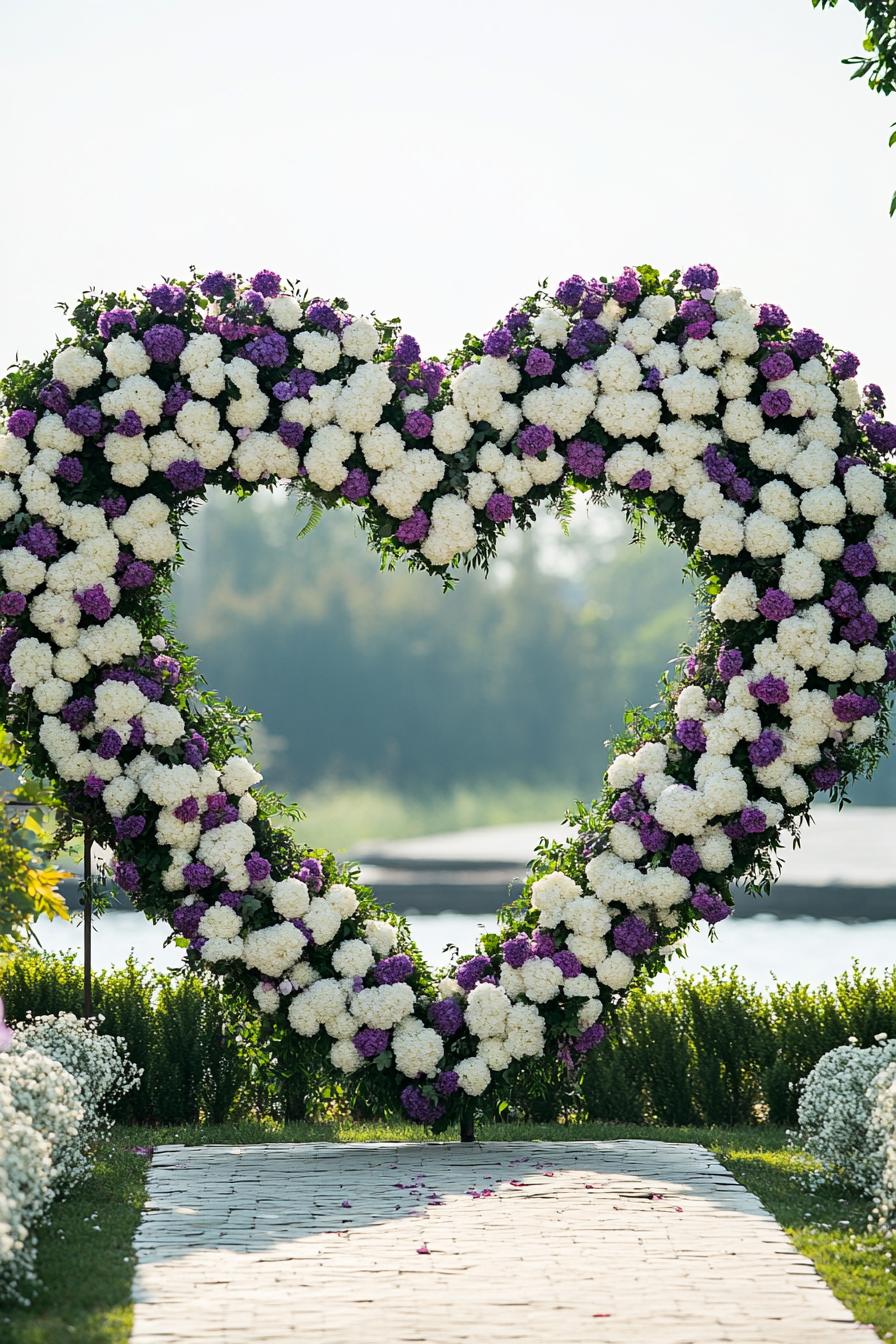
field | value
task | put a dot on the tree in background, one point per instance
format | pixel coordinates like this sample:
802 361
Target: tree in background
877 64
28 881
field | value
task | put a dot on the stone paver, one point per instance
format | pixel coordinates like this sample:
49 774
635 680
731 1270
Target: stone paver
611 1243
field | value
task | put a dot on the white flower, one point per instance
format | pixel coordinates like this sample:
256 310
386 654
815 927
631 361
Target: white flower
615 971
353 957
450 430
381 936
273 950
742 421
473 1076
290 898
864 490
76 368
238 775
487 1008
320 351
285 312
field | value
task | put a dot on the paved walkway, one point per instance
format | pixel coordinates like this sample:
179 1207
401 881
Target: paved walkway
611 1243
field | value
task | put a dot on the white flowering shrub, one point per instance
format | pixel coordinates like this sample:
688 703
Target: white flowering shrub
748 440
58 1077
882 1131
835 1115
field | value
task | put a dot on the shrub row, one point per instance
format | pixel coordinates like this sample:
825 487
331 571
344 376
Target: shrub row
713 1050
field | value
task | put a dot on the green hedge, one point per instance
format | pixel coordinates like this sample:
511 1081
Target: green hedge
708 1051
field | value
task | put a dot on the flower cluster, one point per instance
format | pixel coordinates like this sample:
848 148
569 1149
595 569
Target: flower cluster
58 1080
747 440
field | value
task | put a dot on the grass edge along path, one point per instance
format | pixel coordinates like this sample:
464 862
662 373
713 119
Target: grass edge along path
86 1263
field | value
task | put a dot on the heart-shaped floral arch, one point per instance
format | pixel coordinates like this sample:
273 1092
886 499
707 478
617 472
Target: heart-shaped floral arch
748 442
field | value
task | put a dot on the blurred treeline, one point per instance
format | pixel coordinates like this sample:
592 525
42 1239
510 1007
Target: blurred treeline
488 703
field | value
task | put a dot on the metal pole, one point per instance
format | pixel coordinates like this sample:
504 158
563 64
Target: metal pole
88 921
467 1132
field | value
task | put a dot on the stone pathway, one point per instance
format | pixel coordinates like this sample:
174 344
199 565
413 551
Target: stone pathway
611 1243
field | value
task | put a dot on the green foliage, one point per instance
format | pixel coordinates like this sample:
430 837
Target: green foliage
28 880
877 63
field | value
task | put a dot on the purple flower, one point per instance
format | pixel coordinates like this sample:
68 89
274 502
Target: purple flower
356 484
188 810
539 364
432 375
116 317
776 605
499 507
420 1107
77 713
568 962
684 860
776 366
770 315
844 600
766 748
517 321
266 282
215 284
585 459
185 475
127 876
392 970
874 398
95 602
698 331
753 820
627 286
370 1042
770 690
176 398
291 433
267 351
806 343
164 343
185 918
128 828
633 937
825 776
739 489
55 396
70 470
890 674
198 875
775 402
232 899
407 350
569 292
322 315
845 365
709 905
881 435
166 298
689 732
138 574
259 869
692 311
859 560
702 276
110 745
652 380
311 873
589 1038
12 604
516 950
446 1083
418 424
862 629
413 529
94 787
641 480
447 1016
584 337
21 423
498 342
41 541
717 466
852 706
543 944
535 439
469 973
653 837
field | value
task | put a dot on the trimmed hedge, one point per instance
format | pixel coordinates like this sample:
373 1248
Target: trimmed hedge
709 1051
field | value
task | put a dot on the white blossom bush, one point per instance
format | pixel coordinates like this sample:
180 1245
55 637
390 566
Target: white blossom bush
835 1115
746 439
58 1079
882 1132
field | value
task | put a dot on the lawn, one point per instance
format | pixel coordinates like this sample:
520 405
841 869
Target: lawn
85 1257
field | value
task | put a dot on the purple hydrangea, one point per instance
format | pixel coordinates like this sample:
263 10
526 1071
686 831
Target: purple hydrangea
652 380
420 1107
116 317
859 560
469 973
775 402
413 529
371 1041
166 298
267 351
874 398
753 820
766 748
539 364
70 470
110 745
627 287
138 574
717 466
589 1038
407 350
702 276
12 604
641 480
175 399
499 507
393 970
692 311
776 366
95 602
684 860
633 937
709 905
584 337
356 484
77 713
698 331
198 875
498 342
127 876
446 1083
516 950
852 706
653 837
41 541
776 605
825 776
185 918
188 810
447 1016
114 506
128 828
185 475
291 433
311 873
418 424
689 732
21 423
845 365
861 629
84 420
770 690
164 343
568 963
772 316
258 868
585 459
322 315
266 282
535 439
570 292
729 663
806 343
215 284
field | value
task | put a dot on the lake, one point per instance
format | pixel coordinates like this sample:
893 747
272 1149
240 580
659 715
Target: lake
763 947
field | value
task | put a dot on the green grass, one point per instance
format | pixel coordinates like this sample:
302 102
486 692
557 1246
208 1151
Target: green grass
85 1251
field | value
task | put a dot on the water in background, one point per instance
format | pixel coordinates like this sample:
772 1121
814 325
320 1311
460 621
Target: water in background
763 948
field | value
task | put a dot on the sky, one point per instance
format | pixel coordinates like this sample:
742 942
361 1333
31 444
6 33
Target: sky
438 161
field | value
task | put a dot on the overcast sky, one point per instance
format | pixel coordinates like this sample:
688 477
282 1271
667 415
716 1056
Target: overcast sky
436 161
